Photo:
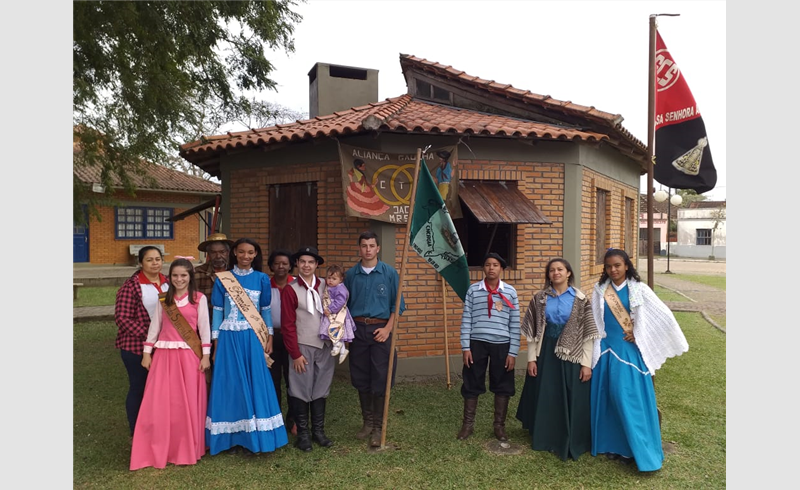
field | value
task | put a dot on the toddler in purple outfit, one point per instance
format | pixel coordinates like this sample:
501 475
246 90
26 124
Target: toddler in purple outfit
337 325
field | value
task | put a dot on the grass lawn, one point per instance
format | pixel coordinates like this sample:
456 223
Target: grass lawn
718 282
667 295
96 296
424 419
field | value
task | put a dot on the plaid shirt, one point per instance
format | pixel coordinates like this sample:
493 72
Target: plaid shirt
131 316
204 278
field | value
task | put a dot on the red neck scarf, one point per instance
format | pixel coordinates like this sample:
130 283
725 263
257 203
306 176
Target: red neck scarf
491 291
289 278
161 280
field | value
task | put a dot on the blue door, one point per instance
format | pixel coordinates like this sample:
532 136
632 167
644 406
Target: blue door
80 243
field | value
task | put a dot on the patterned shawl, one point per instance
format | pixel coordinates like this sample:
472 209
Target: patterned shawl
579 328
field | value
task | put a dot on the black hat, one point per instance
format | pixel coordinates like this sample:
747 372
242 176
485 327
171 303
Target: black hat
312 251
443 154
494 255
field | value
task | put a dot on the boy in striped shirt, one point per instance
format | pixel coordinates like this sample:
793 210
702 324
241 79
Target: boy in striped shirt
489 338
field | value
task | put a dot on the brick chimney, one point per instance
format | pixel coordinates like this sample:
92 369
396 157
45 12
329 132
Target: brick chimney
335 88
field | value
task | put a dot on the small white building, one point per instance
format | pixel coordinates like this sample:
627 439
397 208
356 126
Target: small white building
701 230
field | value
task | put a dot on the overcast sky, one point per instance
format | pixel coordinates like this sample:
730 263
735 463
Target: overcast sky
590 53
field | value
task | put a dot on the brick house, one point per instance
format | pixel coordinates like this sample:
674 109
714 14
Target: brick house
175 213
572 169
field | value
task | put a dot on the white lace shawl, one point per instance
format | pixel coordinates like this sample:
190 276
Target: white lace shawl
657 333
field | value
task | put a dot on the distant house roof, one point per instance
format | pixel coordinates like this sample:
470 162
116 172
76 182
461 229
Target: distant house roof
166 179
661 207
658 207
706 204
544 118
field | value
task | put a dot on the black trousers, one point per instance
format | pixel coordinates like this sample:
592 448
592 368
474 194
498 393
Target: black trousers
137 378
501 382
280 368
369 360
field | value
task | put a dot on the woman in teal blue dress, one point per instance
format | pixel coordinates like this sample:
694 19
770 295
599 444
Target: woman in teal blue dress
243 408
639 333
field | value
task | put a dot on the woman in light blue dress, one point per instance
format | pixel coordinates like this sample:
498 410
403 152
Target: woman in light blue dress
243 409
625 423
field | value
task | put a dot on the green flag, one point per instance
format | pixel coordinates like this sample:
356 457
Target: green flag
434 237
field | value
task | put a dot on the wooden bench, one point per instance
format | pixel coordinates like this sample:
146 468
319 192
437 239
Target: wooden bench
134 251
75 286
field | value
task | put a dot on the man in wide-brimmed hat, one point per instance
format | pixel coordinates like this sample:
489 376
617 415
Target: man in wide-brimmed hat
217 248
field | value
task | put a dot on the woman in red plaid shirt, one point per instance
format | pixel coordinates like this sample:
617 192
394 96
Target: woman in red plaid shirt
136 303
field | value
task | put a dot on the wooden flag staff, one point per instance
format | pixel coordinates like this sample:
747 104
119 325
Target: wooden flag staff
396 322
446 347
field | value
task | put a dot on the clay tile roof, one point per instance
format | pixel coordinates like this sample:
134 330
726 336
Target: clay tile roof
166 179
707 204
407 114
404 114
611 120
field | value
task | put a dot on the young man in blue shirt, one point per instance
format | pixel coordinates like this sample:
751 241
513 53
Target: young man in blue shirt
373 287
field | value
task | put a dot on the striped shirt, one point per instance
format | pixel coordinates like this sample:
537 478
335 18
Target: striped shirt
502 327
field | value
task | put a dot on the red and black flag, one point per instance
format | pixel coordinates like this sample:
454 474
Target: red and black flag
683 155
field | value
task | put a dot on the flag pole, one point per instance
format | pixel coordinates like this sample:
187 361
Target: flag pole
446 347
651 130
651 140
395 314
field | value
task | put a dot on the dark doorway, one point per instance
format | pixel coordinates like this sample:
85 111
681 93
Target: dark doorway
292 216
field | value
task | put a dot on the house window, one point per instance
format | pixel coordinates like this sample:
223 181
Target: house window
704 236
601 221
491 212
139 222
627 226
428 91
478 238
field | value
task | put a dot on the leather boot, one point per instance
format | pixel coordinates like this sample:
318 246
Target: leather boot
366 415
470 405
303 441
377 420
500 411
318 423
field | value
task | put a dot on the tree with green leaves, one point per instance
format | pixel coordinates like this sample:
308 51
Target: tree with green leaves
148 76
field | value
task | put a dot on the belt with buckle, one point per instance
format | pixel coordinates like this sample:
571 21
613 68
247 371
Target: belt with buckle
369 321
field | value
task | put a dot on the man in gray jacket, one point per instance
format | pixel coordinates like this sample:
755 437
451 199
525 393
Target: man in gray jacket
311 373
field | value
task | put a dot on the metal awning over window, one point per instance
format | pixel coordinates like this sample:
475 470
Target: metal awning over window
497 202
212 203
196 209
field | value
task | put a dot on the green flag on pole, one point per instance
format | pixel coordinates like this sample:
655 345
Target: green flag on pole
434 236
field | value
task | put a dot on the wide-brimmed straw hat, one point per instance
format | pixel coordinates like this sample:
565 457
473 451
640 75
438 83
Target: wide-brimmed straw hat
312 251
214 238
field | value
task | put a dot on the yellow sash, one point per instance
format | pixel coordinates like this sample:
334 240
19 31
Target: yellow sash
617 309
248 309
188 334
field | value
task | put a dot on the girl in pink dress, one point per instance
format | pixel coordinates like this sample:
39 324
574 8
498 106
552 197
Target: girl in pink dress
171 423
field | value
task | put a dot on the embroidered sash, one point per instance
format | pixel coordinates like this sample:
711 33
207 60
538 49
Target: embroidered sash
248 309
617 309
336 328
188 334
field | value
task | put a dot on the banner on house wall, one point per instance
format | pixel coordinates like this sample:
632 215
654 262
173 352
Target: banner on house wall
377 184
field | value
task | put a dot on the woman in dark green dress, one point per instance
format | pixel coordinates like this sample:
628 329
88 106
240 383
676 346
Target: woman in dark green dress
556 399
